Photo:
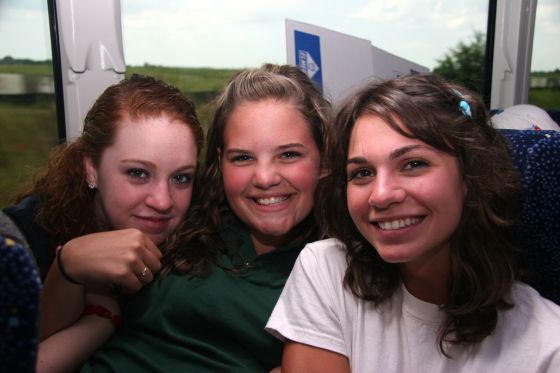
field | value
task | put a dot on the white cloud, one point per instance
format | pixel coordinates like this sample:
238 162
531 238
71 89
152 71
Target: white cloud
226 33
211 33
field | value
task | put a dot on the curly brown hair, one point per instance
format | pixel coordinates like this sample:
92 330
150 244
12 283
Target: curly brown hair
482 255
196 244
67 207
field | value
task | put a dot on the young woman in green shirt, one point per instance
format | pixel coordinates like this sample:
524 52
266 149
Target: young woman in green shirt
225 268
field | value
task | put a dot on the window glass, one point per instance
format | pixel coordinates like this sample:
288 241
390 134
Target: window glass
198 45
27 103
545 64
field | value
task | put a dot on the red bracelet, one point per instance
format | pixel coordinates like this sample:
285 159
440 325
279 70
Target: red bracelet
94 309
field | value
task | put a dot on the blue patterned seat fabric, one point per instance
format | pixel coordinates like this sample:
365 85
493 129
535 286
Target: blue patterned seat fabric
20 287
537 157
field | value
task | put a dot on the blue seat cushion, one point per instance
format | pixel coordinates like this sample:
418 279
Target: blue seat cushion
537 157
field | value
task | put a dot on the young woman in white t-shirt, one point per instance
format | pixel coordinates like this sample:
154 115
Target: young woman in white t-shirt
421 274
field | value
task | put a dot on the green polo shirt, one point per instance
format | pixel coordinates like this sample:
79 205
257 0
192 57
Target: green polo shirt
209 324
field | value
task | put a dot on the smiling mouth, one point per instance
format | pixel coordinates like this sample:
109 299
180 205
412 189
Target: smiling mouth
270 201
392 225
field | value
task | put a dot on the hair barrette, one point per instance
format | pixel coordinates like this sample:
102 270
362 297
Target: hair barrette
463 104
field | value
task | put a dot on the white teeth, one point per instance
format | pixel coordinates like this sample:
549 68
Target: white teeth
271 200
398 224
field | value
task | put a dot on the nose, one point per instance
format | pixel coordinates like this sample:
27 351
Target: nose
159 198
386 190
266 175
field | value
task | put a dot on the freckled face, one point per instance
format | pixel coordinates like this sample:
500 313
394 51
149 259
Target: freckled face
144 179
405 197
271 166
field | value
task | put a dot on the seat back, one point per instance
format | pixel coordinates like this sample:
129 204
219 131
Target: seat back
537 157
20 287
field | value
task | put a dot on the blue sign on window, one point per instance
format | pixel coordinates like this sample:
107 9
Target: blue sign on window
308 56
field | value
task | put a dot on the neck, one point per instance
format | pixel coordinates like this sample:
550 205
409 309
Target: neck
101 221
427 281
265 245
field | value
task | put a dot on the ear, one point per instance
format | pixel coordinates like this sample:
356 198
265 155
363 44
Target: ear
91 172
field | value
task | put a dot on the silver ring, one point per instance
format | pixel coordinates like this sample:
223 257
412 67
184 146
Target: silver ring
143 273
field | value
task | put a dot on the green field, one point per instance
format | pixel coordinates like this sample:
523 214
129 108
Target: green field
28 133
28 123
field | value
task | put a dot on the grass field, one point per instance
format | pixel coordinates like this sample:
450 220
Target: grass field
28 124
28 134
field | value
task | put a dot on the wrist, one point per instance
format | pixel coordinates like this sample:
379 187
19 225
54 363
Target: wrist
103 312
61 269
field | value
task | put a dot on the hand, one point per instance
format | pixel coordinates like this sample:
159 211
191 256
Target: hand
126 258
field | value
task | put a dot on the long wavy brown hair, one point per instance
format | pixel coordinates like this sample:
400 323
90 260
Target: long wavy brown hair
67 207
482 255
197 243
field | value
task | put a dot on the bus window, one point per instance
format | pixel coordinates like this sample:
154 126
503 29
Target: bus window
27 104
198 46
545 65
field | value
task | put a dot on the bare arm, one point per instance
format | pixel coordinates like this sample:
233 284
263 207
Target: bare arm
302 358
70 348
96 261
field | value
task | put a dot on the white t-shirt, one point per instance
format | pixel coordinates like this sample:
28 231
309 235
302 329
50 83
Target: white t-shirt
400 335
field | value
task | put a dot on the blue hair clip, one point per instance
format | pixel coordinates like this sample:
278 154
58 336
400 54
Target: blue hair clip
463 105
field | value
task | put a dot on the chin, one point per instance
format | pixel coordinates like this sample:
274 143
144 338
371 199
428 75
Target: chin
157 239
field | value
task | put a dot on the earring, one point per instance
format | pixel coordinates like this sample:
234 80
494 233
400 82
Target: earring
91 186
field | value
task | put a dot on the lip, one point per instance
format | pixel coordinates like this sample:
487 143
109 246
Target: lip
271 202
152 224
396 226
392 224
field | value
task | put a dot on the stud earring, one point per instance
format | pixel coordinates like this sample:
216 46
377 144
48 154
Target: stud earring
91 186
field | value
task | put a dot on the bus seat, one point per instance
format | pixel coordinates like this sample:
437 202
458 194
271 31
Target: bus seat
525 117
537 157
20 287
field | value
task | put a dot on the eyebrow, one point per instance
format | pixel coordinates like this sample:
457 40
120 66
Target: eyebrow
392 156
281 147
150 164
291 145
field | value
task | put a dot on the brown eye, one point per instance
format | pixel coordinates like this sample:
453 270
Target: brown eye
415 164
360 173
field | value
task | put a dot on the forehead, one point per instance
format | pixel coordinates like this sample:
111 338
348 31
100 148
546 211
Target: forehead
145 137
266 122
371 131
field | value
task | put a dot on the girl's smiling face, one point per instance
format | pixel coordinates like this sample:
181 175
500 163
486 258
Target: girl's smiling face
270 165
144 178
404 196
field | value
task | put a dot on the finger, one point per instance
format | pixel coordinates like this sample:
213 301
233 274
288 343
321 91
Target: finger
151 247
153 262
128 285
143 275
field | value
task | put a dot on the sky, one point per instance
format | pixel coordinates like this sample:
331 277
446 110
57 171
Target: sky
247 33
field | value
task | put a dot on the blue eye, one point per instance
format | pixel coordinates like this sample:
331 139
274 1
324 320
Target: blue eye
183 178
138 173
